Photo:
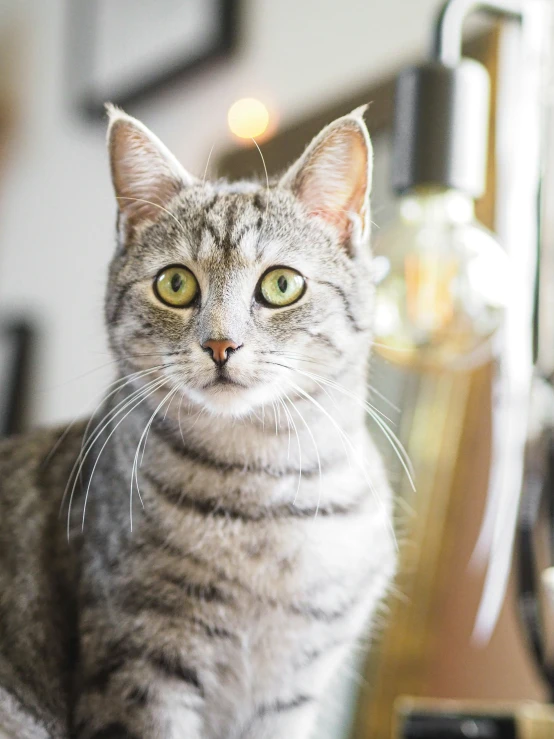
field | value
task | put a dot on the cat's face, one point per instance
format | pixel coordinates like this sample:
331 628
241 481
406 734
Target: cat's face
240 294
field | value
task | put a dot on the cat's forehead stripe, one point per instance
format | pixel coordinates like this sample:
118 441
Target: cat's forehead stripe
230 222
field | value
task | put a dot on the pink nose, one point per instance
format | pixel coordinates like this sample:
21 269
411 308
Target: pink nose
220 350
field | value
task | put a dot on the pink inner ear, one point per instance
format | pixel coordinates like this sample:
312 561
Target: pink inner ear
334 183
143 181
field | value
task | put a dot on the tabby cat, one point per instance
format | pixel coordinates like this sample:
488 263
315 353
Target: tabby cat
196 560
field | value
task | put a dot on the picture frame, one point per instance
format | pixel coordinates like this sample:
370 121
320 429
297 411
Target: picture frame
122 52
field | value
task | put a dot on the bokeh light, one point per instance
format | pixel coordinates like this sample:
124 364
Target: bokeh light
248 118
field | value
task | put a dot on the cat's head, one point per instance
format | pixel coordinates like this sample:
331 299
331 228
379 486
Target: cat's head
238 292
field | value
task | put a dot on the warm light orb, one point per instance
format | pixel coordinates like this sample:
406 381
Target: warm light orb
248 118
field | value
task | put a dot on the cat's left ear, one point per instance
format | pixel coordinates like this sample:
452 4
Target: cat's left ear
145 174
332 179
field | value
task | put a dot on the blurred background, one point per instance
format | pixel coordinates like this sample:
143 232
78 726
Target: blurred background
181 66
57 210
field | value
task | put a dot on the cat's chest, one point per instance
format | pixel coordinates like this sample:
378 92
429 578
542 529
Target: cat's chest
287 547
296 619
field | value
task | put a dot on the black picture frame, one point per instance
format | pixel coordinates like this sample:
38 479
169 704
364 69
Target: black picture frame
82 42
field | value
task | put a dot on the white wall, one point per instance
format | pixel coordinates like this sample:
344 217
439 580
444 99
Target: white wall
56 206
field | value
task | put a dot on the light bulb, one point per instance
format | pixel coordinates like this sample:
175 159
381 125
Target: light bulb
441 283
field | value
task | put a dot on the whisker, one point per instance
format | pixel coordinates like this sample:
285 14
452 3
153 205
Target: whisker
146 354
279 405
84 374
337 385
68 428
128 380
112 432
373 412
273 405
77 466
253 413
207 164
267 192
144 435
322 387
278 408
394 441
75 473
166 410
198 416
373 389
290 420
265 170
146 439
145 394
156 205
347 439
298 356
308 429
371 409
327 380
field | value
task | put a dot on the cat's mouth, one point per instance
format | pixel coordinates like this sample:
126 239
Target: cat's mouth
222 394
223 380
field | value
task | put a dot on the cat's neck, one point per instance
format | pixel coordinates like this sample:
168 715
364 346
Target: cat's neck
310 451
303 430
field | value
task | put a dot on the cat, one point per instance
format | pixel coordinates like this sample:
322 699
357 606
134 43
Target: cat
225 529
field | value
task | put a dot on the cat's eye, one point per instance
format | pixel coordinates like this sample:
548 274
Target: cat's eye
281 286
176 286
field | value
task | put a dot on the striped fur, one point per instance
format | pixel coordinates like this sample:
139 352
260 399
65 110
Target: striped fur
227 542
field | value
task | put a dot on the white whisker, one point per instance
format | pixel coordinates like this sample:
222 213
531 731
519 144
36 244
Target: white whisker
384 398
395 443
291 422
156 205
68 428
151 391
316 451
141 374
372 488
179 417
265 170
273 405
207 164
75 474
144 435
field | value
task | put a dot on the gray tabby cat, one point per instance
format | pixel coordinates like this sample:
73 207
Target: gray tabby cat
228 517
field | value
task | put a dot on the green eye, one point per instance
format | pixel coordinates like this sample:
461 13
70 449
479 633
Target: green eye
282 286
176 286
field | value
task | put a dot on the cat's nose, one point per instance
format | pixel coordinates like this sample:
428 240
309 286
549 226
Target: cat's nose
220 350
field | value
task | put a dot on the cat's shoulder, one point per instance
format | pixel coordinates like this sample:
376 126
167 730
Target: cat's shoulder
36 453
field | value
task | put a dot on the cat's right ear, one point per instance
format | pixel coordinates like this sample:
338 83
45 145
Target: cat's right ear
145 174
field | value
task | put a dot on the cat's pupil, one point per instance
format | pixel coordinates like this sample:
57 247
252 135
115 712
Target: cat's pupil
176 283
282 283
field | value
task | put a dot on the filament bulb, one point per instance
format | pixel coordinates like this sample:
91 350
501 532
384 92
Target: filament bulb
441 284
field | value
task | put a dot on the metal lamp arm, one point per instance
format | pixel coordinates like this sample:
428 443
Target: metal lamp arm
449 27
